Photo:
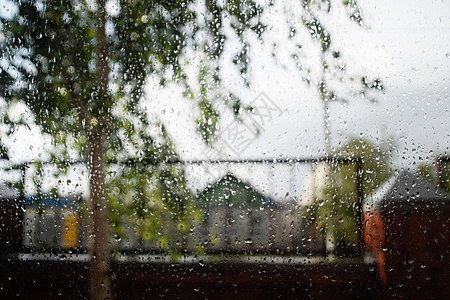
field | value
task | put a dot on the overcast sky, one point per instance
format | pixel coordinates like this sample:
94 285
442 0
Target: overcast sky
407 45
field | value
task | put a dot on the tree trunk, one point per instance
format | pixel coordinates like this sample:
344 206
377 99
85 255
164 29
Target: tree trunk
99 270
100 282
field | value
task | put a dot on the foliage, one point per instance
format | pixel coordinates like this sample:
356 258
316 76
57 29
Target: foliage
50 47
152 203
81 68
51 61
51 52
3 152
310 17
428 171
335 207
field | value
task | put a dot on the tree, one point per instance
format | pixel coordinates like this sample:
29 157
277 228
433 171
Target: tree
334 209
84 80
437 173
327 72
3 151
81 68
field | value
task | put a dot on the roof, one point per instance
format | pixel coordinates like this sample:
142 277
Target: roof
405 187
231 191
46 200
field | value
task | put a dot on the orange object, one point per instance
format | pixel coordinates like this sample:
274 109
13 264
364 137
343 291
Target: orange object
375 241
70 231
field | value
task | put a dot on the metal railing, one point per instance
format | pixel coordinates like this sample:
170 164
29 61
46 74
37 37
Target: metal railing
228 163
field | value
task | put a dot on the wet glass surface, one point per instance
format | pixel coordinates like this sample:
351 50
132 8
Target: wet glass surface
219 149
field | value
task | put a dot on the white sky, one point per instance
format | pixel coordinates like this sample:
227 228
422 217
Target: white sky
407 45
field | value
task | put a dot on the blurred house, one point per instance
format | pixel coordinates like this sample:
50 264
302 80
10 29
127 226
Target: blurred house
238 218
407 223
51 223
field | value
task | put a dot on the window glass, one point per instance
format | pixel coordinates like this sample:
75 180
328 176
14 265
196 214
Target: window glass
224 148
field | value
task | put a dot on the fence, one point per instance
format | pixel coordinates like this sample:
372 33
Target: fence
277 206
